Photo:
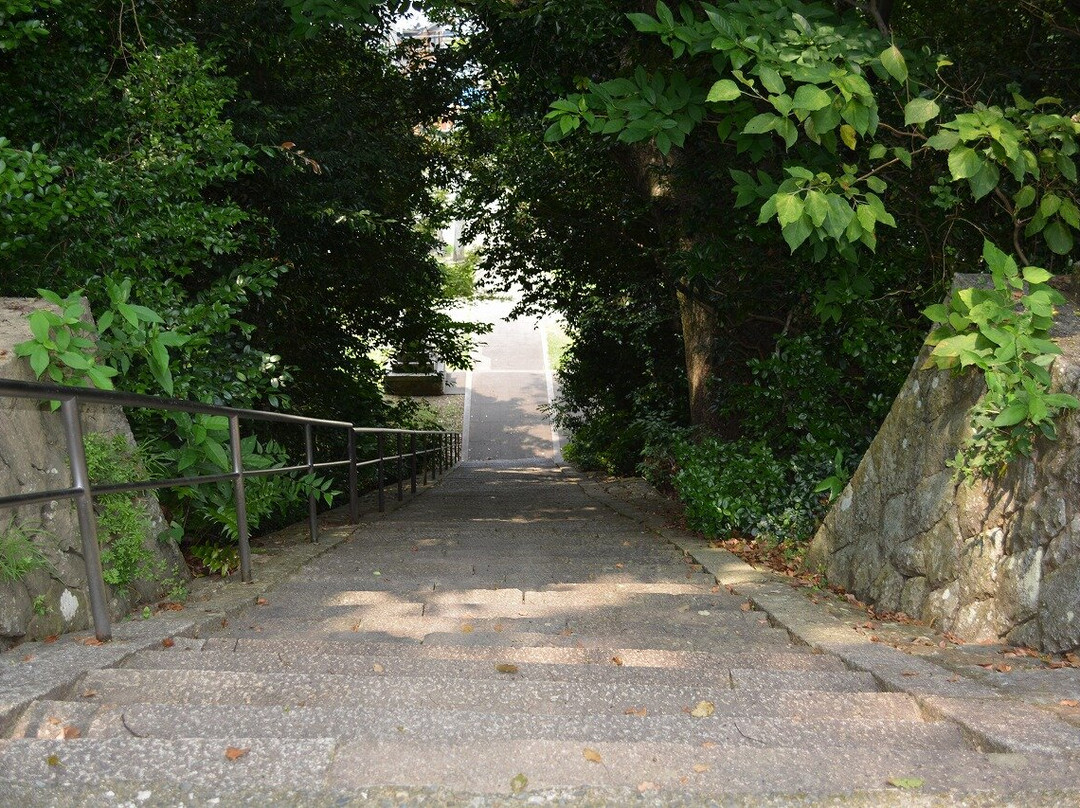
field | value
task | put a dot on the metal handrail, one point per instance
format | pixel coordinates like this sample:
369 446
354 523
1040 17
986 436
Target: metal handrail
443 447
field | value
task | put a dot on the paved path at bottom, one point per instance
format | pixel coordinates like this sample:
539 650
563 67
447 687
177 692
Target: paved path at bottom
507 638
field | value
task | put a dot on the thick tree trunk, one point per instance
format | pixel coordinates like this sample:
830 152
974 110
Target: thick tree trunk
698 329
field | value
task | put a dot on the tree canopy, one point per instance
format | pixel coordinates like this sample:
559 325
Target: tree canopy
741 208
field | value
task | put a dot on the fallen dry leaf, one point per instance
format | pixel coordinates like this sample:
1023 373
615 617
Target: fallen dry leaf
224 622
90 641
171 606
746 606
906 782
28 658
700 767
703 709
592 755
908 673
708 744
1001 667
639 712
378 668
54 720
518 783
714 588
355 627
506 667
467 628
261 602
89 694
498 628
235 753
627 544
1069 703
619 566
168 642
51 638
647 785
566 632
617 660
71 731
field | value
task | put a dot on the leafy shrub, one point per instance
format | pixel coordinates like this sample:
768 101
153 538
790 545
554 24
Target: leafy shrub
18 553
742 487
123 522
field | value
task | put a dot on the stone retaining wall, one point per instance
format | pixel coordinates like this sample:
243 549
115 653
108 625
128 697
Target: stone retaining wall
33 456
986 561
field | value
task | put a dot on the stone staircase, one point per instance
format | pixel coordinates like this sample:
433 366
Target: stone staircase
504 639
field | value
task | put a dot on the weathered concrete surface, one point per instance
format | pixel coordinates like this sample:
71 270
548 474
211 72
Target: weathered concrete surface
585 718
988 561
33 457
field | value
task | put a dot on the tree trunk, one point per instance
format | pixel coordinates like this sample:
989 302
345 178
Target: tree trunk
698 328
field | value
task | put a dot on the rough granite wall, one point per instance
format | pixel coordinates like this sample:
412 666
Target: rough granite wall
987 561
33 456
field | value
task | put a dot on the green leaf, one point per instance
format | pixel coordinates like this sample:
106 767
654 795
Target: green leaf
964 162
73 360
39 360
1011 415
1066 166
1049 205
893 61
796 233
789 208
944 140
39 325
760 124
920 110
984 181
877 151
100 377
1036 275
724 90
217 455
786 129
938 313
811 97
847 134
1024 197
1058 237
771 80
817 207
1069 212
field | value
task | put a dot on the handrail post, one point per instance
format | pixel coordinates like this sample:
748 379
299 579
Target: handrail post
240 496
84 503
313 519
379 441
354 500
400 469
427 443
442 453
412 460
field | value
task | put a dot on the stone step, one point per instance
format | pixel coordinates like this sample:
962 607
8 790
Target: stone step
405 620
315 770
710 642
788 658
51 719
792 774
128 686
736 670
